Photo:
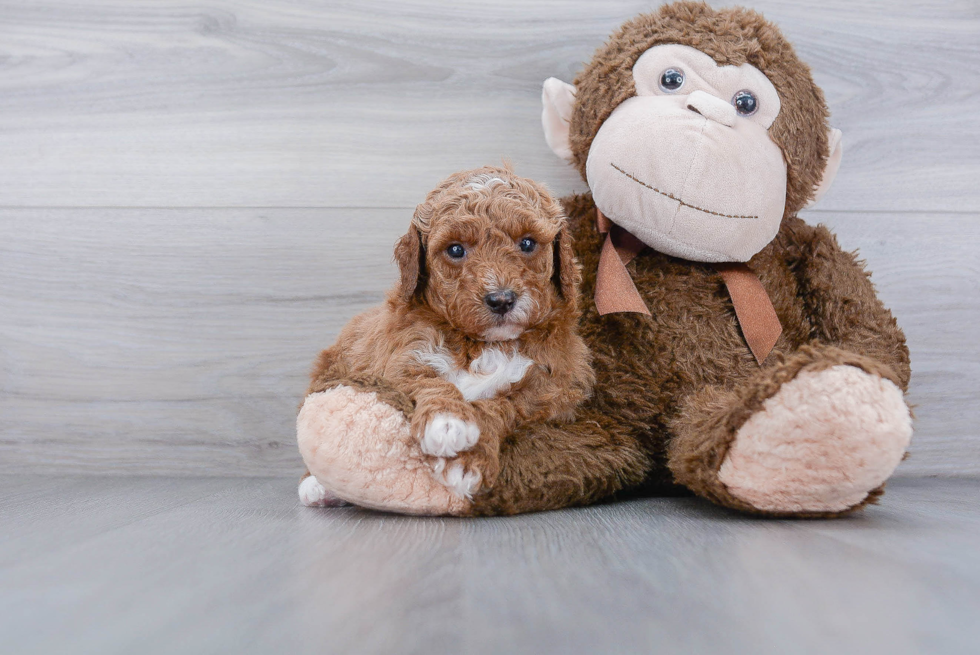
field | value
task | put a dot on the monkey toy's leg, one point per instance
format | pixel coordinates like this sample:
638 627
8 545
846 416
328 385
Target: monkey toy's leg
360 449
354 436
818 432
547 466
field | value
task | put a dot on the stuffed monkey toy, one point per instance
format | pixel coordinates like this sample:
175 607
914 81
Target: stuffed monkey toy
740 353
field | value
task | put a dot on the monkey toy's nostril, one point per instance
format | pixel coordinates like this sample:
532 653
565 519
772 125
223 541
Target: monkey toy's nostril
500 302
711 107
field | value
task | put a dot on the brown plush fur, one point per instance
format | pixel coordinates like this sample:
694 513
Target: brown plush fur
673 388
439 305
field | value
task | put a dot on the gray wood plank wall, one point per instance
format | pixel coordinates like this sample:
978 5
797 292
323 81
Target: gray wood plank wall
194 198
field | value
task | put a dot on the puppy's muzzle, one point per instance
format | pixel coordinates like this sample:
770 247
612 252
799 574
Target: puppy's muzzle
500 302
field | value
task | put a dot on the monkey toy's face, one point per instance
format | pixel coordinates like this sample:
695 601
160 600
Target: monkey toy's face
686 163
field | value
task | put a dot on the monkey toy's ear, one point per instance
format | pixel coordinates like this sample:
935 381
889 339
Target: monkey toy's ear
558 99
410 255
836 148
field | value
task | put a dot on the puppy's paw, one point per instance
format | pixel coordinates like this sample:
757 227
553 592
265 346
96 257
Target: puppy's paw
446 435
312 494
460 481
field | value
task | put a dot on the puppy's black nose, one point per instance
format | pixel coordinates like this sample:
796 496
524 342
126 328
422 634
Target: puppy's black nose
500 302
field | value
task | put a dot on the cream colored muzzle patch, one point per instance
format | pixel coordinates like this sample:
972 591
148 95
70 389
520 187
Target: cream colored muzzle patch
687 185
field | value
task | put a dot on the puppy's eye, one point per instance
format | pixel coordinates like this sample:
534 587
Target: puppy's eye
456 251
527 244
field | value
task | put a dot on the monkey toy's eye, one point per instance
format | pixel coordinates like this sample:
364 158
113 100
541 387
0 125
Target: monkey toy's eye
456 251
527 244
671 80
745 103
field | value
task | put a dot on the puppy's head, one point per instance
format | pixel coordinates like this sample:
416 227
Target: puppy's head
488 252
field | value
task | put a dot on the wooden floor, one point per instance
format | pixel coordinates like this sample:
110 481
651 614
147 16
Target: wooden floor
164 565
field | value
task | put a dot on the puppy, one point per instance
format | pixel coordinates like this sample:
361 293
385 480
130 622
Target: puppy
480 333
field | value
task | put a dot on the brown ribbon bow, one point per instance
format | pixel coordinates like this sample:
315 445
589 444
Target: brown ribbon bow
616 292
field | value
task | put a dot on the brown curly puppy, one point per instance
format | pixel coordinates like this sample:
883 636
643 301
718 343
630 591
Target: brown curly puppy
481 331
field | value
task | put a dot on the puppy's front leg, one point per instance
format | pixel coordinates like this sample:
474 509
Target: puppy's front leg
443 422
446 426
496 419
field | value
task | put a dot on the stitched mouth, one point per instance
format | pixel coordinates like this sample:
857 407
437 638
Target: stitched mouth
676 199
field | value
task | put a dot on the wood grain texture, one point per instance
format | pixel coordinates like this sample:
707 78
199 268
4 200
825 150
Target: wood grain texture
164 340
139 341
163 565
119 103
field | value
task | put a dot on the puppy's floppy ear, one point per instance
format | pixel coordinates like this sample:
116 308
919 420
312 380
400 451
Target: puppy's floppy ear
566 274
410 255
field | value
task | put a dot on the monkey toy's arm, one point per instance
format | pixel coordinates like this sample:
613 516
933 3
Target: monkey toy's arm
841 303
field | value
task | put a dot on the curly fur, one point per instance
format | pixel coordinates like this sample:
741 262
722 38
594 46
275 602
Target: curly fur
434 340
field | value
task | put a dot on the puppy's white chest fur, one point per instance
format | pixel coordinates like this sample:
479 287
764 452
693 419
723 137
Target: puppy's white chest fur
489 374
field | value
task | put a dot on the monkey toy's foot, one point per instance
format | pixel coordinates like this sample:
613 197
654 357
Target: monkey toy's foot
360 450
820 443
